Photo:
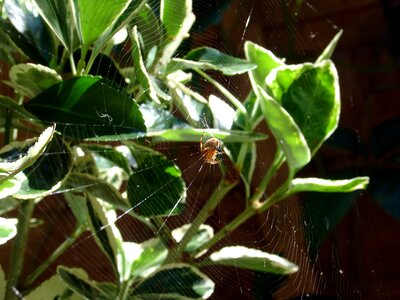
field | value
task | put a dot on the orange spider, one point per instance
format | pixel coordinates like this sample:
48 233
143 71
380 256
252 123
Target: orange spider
211 150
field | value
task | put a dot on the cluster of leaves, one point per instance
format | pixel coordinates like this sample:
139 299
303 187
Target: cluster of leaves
91 147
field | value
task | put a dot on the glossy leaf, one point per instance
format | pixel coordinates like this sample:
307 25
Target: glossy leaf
223 121
158 118
328 186
177 18
265 61
9 187
252 259
102 231
156 187
178 279
203 234
28 154
31 79
86 107
206 58
140 69
27 22
328 51
78 281
310 94
57 17
286 132
93 18
8 229
47 174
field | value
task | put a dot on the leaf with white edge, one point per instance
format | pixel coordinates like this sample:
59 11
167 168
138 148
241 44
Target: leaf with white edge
251 259
52 288
310 93
206 58
102 230
78 206
42 178
8 229
328 51
3 283
78 281
178 18
286 132
265 61
328 186
178 279
223 121
9 187
93 18
57 15
34 152
140 68
8 204
203 234
32 79
147 257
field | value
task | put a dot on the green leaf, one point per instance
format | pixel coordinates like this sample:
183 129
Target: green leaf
102 231
96 187
94 18
310 94
86 107
8 204
178 279
328 51
223 113
286 132
206 58
140 68
186 135
265 61
252 259
52 288
78 206
18 110
146 257
177 18
203 234
47 174
78 281
9 187
31 79
328 186
57 16
156 187
8 229
13 166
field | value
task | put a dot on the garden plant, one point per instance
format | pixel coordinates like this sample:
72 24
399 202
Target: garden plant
90 137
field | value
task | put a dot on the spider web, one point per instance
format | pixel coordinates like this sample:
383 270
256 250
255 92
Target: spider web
298 33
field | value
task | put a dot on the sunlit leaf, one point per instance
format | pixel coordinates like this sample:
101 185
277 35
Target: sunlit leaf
178 279
156 187
223 121
252 259
286 132
86 107
93 18
56 15
328 186
203 234
9 187
31 79
8 229
328 51
310 94
206 58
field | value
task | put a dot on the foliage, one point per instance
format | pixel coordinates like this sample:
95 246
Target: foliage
94 150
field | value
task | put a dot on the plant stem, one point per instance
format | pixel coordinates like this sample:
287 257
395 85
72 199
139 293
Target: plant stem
56 254
17 255
235 102
219 193
82 62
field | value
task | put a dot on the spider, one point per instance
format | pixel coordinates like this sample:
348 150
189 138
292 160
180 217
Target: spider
211 150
